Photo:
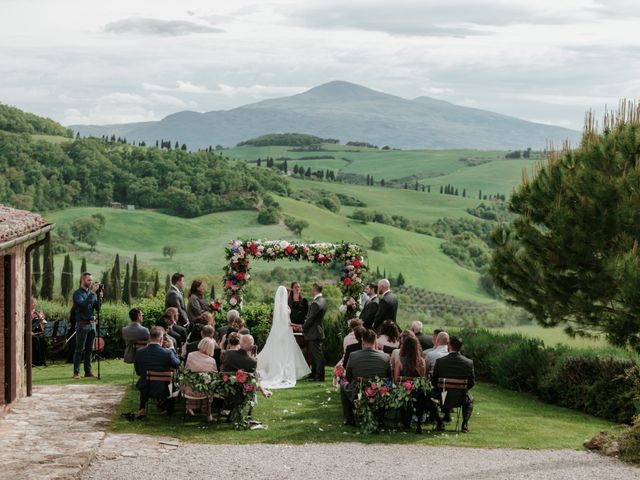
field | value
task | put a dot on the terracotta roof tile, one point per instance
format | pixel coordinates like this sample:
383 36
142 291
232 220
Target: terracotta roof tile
16 223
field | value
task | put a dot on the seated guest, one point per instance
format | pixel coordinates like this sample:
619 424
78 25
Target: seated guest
197 304
38 342
395 355
456 366
238 356
238 327
425 341
366 363
132 333
174 315
166 324
200 361
354 347
350 338
154 358
411 364
389 336
433 339
232 317
206 331
205 318
439 350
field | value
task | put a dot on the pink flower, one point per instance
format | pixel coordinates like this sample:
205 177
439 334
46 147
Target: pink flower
408 385
248 388
241 376
384 391
225 378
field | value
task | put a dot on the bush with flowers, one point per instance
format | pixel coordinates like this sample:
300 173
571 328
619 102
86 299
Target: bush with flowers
376 395
238 389
237 272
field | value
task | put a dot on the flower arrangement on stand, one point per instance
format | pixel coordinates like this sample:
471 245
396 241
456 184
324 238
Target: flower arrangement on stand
239 389
237 272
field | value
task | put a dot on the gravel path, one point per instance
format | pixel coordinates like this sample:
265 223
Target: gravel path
140 457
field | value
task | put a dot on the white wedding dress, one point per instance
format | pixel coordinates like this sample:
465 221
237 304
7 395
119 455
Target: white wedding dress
281 362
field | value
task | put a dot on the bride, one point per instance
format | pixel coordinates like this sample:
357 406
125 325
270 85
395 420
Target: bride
281 362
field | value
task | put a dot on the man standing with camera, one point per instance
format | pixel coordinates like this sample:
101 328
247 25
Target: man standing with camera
86 301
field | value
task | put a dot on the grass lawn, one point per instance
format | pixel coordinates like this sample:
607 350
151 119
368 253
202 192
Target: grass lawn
311 412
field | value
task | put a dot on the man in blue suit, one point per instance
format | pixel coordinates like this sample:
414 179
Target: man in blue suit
154 358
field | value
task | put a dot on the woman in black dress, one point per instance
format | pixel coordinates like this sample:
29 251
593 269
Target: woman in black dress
298 304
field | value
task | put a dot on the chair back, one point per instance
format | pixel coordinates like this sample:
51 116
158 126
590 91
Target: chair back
453 391
388 349
160 377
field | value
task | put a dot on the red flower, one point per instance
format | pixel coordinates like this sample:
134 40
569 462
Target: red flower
229 284
240 276
225 378
241 376
289 249
356 263
339 371
347 281
384 391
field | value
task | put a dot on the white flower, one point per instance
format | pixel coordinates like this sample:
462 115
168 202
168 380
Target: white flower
342 308
270 251
233 301
284 244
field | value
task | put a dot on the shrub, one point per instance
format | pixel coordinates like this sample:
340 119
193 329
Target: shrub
378 243
257 319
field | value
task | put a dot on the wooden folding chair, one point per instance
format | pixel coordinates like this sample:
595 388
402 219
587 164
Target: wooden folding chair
167 377
453 392
137 345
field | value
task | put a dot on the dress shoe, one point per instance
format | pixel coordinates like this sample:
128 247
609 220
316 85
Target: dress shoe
349 423
464 429
88 374
440 427
76 376
447 418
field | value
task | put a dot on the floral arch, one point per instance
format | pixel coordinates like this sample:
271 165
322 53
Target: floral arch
239 252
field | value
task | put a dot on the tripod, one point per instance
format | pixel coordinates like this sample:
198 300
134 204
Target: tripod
98 356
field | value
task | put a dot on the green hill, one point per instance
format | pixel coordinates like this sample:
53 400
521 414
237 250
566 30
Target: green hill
14 120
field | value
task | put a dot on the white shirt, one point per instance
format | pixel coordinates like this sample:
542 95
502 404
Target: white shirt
317 296
433 354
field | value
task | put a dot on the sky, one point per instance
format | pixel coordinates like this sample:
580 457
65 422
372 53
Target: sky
84 61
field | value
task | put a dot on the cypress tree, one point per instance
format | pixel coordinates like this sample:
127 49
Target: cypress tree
83 266
116 265
212 294
286 167
115 286
46 292
66 278
36 272
480 195
135 291
400 280
104 280
441 190
126 287
378 272
464 192
156 285
456 192
167 283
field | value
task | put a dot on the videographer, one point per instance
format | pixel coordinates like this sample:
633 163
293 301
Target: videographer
86 301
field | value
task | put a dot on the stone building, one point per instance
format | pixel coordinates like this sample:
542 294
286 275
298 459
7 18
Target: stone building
20 233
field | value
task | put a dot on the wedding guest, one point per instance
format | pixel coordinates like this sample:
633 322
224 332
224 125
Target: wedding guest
411 364
166 323
200 361
395 355
205 318
439 350
154 358
425 341
239 357
232 317
366 363
389 338
174 314
455 365
354 347
197 304
370 308
298 304
350 338
132 333
387 306
38 342
351 308
174 298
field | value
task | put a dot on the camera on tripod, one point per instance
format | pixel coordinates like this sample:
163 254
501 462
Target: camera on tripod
99 288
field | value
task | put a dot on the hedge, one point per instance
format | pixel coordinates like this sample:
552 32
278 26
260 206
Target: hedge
594 381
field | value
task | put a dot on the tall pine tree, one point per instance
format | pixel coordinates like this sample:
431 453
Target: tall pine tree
167 283
126 287
116 265
46 292
66 279
135 289
83 266
156 284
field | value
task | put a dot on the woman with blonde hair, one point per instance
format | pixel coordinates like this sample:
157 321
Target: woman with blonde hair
200 361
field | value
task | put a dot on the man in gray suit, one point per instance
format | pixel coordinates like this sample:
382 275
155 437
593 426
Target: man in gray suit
365 363
313 329
175 299
132 333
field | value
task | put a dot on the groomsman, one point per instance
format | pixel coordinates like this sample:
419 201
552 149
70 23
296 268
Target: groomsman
174 298
388 305
370 308
313 329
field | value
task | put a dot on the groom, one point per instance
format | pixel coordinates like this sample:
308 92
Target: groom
313 329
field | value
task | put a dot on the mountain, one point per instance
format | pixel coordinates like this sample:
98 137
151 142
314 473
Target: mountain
349 112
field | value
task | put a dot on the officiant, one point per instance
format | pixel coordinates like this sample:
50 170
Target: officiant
298 304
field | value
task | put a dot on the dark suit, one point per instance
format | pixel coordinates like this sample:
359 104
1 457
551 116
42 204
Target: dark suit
175 299
234 360
457 366
367 363
387 309
354 347
368 313
134 332
426 342
313 329
154 358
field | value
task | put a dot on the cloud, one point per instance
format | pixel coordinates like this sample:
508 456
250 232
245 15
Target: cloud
259 92
157 27
181 86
